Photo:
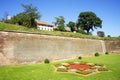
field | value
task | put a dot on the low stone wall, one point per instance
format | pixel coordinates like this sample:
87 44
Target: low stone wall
16 48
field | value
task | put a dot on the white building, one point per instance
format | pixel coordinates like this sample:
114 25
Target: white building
8 17
42 25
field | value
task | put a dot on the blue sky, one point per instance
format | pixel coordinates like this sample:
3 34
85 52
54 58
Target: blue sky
107 10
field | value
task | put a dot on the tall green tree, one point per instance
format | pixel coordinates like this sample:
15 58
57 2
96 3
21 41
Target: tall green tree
88 20
20 19
31 14
71 25
27 17
60 23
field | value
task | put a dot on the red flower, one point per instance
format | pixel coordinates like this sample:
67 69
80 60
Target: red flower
79 66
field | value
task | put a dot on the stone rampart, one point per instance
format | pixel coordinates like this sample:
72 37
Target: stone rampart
113 46
18 48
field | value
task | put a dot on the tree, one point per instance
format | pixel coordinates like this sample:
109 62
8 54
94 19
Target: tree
20 19
60 23
100 33
88 20
81 31
71 25
28 17
31 14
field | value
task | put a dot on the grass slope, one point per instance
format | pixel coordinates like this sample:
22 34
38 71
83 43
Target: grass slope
46 71
11 27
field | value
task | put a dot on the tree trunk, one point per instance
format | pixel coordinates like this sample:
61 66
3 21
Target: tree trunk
87 32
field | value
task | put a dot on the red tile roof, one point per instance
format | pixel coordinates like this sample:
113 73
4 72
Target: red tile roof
43 23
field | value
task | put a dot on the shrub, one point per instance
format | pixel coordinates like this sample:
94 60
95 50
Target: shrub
79 57
46 61
97 54
106 53
109 36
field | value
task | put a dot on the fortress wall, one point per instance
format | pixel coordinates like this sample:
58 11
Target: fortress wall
24 48
113 46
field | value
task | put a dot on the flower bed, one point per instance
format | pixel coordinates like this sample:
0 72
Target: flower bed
80 67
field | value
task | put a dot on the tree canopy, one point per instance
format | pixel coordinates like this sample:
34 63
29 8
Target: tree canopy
27 17
60 23
71 25
88 20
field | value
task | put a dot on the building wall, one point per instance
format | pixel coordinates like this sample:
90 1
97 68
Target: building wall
48 28
24 48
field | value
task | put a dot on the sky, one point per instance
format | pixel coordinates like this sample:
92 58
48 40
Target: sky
107 10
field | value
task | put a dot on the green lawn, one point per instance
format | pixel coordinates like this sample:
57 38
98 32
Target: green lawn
47 71
12 27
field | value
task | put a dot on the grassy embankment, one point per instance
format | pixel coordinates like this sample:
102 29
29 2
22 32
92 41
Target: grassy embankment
47 71
11 27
